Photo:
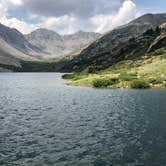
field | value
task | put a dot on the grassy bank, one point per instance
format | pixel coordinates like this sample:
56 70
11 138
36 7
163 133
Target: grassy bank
147 72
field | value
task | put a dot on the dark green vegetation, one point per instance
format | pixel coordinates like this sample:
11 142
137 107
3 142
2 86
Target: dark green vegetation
31 66
139 84
93 58
8 67
76 76
104 82
40 66
139 62
145 72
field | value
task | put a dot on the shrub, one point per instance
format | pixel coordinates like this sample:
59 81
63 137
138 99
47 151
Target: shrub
156 80
67 76
139 84
74 77
104 82
164 84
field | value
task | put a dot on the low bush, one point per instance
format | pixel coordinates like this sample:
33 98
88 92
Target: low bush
156 80
164 84
139 84
67 76
73 77
104 82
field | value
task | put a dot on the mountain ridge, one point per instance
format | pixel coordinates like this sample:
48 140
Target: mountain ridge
105 51
54 44
109 48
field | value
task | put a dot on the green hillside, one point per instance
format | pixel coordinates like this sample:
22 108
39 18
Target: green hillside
149 70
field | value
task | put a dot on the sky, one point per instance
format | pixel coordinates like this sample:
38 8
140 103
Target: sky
69 16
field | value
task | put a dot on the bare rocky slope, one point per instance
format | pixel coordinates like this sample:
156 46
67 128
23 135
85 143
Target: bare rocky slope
53 44
14 47
17 40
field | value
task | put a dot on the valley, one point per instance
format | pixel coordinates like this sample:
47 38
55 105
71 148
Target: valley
130 54
82 83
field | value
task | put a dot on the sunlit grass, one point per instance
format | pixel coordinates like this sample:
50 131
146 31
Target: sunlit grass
149 71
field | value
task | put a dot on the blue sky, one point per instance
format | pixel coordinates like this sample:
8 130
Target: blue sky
69 16
152 5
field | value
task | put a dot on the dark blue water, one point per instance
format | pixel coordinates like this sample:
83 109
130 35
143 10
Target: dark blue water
44 122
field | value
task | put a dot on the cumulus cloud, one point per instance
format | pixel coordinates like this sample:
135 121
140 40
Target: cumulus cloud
63 25
14 22
77 8
99 23
16 2
69 16
11 3
126 13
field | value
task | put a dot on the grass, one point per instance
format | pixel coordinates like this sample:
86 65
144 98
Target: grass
124 76
148 71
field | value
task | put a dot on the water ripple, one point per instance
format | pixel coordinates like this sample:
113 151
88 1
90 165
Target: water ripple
44 122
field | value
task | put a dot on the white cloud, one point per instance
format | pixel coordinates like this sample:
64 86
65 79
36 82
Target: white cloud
14 22
77 8
19 25
126 13
67 23
16 2
2 11
99 23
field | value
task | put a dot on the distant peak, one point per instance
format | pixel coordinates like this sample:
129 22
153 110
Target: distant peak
83 32
45 31
80 31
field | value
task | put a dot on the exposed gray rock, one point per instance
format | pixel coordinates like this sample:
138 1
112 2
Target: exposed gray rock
17 40
54 45
160 41
163 27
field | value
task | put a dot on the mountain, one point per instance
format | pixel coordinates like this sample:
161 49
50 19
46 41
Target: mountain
48 41
14 47
152 20
131 41
54 45
138 63
160 41
17 40
121 43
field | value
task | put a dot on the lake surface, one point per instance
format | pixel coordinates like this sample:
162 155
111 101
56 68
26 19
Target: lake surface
44 122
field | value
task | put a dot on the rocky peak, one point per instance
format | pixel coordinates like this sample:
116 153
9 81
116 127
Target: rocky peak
43 34
152 19
54 44
163 27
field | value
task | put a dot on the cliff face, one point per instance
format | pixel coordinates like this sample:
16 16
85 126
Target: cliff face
160 41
